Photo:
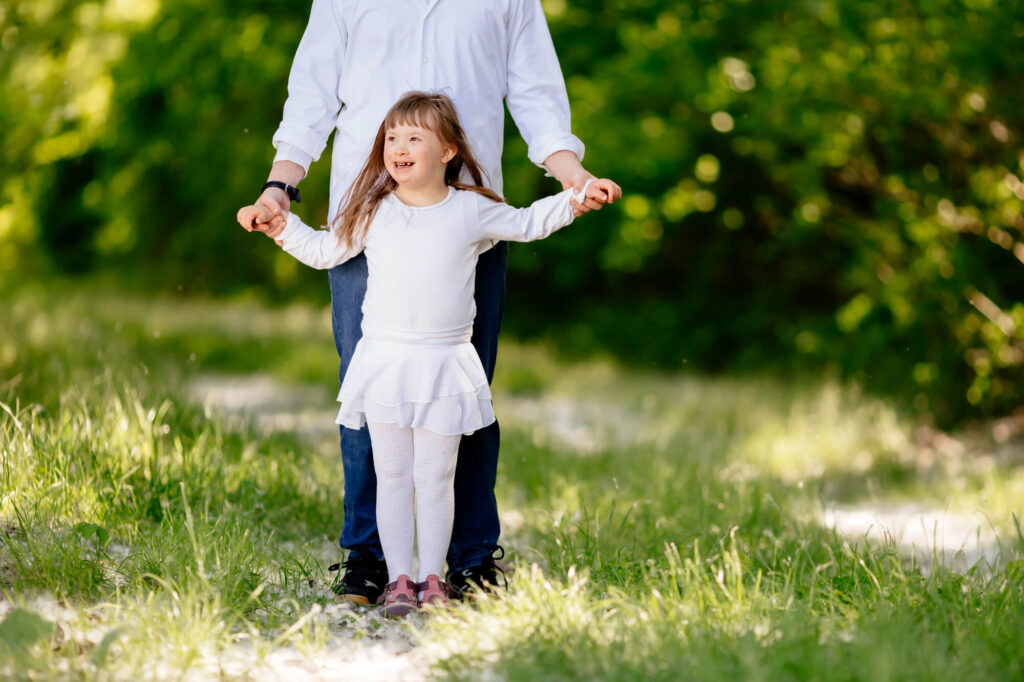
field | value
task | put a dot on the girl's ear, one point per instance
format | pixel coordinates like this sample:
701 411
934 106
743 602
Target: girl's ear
449 153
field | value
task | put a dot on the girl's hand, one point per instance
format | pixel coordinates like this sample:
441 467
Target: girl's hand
274 228
266 217
600 192
246 217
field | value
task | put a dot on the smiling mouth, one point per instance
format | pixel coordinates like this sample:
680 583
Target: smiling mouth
403 164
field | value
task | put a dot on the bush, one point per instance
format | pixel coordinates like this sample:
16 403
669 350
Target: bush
808 185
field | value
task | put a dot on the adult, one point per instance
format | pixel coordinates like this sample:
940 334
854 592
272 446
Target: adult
355 59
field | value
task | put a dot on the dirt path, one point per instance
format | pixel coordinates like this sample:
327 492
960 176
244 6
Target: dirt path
929 534
922 530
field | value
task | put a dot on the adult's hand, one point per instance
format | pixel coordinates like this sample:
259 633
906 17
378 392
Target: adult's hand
601 192
568 170
287 172
275 198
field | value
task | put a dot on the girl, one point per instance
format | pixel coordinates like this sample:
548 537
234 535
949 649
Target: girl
415 378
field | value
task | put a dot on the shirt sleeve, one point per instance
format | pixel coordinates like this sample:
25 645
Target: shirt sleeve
311 110
536 95
318 249
501 222
287 152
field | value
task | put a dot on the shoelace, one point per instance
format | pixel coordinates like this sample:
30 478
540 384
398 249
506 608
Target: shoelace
353 571
468 573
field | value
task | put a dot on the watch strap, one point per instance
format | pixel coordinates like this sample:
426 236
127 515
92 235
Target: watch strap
292 192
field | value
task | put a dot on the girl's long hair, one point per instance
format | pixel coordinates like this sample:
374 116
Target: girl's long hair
434 112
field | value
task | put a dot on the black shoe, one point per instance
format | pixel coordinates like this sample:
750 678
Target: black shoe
363 582
483 576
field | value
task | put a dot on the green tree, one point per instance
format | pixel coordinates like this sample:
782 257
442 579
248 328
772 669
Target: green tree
830 183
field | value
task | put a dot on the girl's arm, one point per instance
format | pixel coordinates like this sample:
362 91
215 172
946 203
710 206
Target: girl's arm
501 222
318 249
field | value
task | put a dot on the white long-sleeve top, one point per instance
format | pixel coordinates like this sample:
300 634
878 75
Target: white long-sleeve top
357 57
422 260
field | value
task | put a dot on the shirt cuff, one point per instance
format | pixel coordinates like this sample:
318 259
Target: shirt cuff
300 137
546 145
292 227
288 152
582 194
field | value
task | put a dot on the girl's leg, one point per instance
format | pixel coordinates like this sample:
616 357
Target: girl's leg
434 476
393 463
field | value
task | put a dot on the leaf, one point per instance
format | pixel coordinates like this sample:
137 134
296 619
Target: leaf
87 530
21 629
99 656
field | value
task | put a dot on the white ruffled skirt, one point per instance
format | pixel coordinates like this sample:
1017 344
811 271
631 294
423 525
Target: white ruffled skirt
439 387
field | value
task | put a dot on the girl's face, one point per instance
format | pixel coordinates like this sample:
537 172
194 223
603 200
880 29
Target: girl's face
416 157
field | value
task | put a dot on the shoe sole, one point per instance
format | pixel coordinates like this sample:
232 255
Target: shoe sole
352 599
436 603
399 610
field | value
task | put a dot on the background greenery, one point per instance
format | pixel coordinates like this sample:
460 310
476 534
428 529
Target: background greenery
819 187
813 185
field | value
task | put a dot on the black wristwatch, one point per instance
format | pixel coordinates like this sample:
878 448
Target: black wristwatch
292 192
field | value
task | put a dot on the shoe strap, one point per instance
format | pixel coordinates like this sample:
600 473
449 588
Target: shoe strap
408 584
434 586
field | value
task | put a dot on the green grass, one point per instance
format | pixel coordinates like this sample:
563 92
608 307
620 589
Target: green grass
660 527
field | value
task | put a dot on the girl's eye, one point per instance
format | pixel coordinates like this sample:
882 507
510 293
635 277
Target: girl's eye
415 139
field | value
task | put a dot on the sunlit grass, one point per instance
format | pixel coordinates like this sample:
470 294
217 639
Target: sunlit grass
822 438
659 527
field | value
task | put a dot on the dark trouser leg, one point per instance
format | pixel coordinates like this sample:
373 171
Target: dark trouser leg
476 528
359 532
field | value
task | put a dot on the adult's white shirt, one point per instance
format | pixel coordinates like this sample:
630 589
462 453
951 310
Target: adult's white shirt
357 57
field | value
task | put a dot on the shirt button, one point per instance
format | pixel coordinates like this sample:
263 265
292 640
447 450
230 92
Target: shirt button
426 60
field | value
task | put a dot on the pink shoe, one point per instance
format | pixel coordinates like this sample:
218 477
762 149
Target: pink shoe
434 591
399 597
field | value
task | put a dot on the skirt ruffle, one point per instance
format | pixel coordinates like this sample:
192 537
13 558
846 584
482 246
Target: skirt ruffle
441 388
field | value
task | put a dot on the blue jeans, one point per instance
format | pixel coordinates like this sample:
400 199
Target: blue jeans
476 529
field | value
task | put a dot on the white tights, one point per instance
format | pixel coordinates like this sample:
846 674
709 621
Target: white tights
409 460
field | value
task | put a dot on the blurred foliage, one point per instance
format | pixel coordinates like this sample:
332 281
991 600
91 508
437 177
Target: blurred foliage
821 184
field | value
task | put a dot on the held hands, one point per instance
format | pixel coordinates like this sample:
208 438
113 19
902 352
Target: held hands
600 192
265 216
566 167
